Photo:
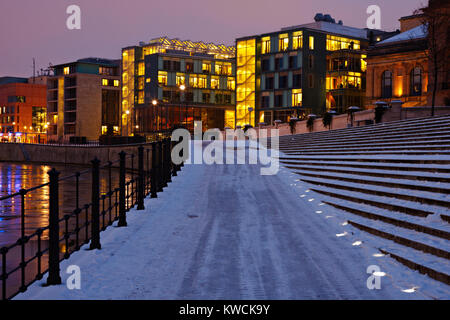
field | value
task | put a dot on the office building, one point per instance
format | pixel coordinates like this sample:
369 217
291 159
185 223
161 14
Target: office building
84 100
169 83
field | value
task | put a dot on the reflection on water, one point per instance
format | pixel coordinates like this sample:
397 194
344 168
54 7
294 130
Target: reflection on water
16 176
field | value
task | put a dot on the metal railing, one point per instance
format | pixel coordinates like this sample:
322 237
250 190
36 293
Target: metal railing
42 250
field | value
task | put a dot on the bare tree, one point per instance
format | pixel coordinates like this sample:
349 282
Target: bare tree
436 23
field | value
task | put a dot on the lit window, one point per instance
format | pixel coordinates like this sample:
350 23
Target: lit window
202 82
141 97
416 81
116 83
297 97
231 83
297 40
141 83
265 45
147 80
180 79
66 70
141 69
206 67
104 130
104 82
214 82
311 43
283 42
162 78
193 81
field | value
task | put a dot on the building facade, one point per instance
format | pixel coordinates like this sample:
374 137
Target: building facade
84 99
169 83
300 70
23 110
397 67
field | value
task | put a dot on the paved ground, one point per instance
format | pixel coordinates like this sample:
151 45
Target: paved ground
223 232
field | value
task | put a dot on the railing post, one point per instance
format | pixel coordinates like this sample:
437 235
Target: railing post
168 161
154 177
53 234
161 179
122 212
95 214
174 166
141 179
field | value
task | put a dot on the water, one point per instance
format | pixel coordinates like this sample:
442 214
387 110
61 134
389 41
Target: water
16 176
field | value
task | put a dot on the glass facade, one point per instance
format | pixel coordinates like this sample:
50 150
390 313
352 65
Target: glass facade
246 82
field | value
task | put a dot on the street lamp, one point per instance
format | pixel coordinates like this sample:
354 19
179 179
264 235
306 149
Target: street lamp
182 88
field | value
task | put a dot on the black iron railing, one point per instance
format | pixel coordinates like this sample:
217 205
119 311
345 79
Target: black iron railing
42 250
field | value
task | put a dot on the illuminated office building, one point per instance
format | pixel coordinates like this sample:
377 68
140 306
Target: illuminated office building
83 100
23 109
169 83
300 70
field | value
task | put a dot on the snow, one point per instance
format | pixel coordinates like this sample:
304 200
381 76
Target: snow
227 232
418 32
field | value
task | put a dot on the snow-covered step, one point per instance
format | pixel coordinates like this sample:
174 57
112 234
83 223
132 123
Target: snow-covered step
357 141
424 159
434 168
425 243
401 206
359 134
426 189
411 196
419 145
435 269
410 175
405 151
424 225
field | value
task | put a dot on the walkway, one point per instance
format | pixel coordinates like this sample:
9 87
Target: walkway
225 232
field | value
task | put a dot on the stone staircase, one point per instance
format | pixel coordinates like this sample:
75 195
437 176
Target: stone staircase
389 180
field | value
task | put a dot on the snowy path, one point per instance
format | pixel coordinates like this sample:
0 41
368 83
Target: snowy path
226 232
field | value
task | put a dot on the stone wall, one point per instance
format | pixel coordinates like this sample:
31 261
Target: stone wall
79 155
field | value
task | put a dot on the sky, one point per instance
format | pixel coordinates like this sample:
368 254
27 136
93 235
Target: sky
37 28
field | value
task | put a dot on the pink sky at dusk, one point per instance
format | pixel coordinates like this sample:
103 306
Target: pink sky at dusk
37 28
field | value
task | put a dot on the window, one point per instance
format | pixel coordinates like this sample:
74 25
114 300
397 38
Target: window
106 71
104 82
283 82
66 70
206 67
162 78
265 64
223 68
180 79
189 66
141 69
386 84
416 81
16 99
140 83
269 83
297 40
215 82
278 63
202 82
117 83
283 42
278 102
231 83
335 43
265 45
265 101
297 97
311 43
292 62
206 97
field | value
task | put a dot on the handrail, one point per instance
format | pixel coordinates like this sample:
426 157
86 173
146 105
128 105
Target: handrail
66 234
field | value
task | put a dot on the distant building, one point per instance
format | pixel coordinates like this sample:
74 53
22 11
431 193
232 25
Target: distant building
155 74
23 110
300 70
397 67
84 99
